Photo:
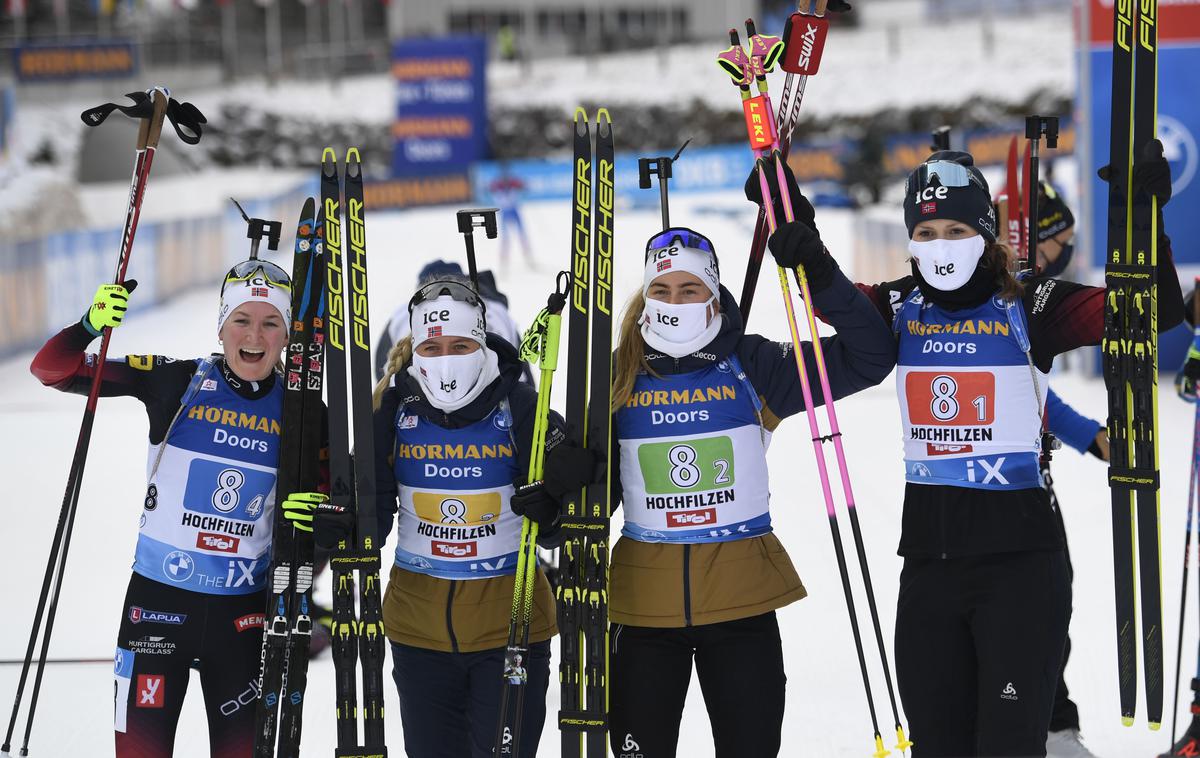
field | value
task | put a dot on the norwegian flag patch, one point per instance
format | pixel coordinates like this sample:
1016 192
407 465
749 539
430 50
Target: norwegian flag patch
435 331
927 208
259 292
664 265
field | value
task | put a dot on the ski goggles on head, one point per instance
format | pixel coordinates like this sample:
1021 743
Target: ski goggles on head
250 269
947 174
446 288
686 237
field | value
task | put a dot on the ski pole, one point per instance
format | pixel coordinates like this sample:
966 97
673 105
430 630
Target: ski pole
805 31
540 343
764 142
150 128
660 167
468 220
1191 515
1035 127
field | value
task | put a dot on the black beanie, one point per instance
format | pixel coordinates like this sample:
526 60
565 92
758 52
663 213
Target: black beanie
1053 214
972 204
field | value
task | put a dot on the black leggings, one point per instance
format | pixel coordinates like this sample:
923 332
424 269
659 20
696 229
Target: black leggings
979 647
740 667
164 630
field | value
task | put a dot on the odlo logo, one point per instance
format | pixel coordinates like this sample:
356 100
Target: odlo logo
1009 693
630 749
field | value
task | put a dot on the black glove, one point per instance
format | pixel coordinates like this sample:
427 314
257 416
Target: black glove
569 468
1151 172
839 6
332 524
798 244
534 502
802 210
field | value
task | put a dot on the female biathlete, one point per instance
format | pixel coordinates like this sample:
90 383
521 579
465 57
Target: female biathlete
197 592
453 431
698 572
985 596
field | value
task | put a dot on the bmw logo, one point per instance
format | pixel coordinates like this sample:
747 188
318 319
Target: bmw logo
503 421
1179 147
178 566
920 469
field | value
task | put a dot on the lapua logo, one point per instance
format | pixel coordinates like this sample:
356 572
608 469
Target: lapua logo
931 193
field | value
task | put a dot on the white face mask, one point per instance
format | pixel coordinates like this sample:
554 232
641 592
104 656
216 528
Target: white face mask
448 380
947 264
678 329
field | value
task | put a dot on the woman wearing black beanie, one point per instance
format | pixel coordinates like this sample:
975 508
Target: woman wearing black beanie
984 596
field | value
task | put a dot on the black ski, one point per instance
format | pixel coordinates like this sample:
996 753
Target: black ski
356 636
1130 349
583 589
284 673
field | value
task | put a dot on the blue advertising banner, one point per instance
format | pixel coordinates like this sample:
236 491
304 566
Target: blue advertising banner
441 105
88 60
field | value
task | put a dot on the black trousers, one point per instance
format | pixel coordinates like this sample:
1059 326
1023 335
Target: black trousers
165 630
979 646
449 702
740 667
1064 715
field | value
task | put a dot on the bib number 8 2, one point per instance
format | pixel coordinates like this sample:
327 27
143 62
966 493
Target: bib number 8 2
684 471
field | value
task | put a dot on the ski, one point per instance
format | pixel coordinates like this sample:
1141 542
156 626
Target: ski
1130 349
583 589
284 672
357 637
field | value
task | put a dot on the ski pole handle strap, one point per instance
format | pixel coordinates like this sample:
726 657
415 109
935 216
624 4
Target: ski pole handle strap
185 118
1133 478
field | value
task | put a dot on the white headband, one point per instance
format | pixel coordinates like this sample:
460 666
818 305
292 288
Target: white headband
446 317
256 289
699 263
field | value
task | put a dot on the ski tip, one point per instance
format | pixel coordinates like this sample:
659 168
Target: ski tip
329 161
353 163
580 114
353 156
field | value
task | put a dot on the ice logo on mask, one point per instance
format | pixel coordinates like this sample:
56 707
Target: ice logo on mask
450 386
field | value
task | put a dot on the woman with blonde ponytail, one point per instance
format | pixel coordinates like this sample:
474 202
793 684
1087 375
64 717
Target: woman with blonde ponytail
453 437
698 572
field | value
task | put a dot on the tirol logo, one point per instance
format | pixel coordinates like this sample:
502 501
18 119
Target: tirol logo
250 622
698 517
219 542
454 549
139 615
1179 148
932 448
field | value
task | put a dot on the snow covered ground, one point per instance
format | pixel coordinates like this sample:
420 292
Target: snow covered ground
826 714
